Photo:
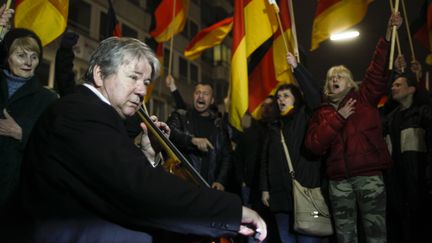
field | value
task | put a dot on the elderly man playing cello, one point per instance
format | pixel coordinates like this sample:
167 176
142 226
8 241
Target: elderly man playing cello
85 181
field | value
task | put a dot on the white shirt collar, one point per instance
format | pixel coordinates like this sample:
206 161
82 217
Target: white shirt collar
98 94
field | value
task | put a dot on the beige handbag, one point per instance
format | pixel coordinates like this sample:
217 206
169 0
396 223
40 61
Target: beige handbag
311 214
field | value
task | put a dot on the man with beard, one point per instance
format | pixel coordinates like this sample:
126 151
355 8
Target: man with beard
201 135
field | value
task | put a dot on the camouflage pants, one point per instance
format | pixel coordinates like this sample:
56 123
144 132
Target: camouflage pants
367 194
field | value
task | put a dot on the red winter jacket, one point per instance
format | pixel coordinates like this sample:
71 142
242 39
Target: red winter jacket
354 146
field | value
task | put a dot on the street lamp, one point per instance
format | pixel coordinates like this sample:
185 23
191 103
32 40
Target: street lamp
342 36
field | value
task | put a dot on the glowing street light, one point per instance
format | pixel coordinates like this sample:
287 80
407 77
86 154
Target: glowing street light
342 36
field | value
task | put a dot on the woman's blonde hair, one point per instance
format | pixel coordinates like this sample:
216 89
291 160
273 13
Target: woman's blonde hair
341 71
26 43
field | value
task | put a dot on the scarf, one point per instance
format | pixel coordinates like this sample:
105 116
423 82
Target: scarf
14 82
287 111
335 99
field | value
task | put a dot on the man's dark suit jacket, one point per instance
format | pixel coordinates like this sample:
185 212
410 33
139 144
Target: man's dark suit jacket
83 177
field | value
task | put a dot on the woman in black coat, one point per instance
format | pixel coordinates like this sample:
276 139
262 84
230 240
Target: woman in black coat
22 100
275 180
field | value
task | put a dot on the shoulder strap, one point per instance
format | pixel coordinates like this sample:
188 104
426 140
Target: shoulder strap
288 158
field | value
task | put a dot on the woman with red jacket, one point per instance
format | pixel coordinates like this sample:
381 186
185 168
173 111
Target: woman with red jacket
346 131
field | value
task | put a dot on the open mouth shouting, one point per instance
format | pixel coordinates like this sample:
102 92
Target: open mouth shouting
203 97
335 88
201 103
282 106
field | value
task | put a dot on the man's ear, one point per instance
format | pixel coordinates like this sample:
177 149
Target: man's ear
212 100
412 89
97 76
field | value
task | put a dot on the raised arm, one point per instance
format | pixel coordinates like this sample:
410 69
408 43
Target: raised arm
175 93
308 84
5 17
64 75
374 84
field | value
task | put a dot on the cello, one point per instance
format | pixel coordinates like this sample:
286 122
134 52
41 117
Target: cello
178 165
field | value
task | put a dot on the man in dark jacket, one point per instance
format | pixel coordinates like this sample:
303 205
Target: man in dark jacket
408 134
84 180
203 138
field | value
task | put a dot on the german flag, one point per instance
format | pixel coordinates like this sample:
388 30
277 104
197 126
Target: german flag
159 51
333 16
268 67
208 37
254 23
113 26
170 18
48 19
262 77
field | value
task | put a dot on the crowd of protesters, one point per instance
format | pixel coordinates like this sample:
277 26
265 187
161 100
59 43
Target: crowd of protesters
62 180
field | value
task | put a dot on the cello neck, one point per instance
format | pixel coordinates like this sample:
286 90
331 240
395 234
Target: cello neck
169 147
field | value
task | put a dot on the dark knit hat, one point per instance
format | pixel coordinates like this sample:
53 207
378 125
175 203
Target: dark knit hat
12 35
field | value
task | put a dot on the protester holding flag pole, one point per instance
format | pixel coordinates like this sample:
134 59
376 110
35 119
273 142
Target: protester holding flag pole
290 127
347 130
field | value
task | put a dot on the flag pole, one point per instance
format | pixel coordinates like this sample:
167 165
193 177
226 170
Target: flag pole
413 58
397 39
393 38
399 49
8 3
276 9
293 30
171 41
